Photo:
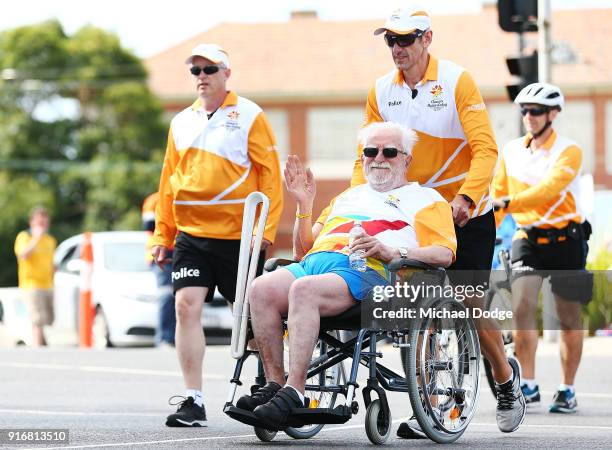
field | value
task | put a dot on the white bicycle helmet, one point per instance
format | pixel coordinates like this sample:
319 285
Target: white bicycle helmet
541 94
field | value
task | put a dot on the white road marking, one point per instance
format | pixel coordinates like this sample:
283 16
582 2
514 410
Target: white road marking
555 426
79 413
581 394
165 441
102 369
209 438
326 429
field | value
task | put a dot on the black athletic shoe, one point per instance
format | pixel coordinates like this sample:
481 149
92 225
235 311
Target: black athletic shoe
412 428
277 411
260 397
188 414
405 431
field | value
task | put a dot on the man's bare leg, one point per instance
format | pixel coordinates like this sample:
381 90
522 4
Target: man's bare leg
491 341
269 303
525 292
492 346
38 336
190 343
311 298
572 336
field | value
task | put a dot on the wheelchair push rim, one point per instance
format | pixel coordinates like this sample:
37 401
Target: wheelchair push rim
443 365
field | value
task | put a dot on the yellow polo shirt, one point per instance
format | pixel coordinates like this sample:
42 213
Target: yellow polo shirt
35 271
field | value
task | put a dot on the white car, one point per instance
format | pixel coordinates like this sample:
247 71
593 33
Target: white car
124 290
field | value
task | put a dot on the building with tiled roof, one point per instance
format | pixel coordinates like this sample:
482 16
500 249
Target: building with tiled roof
312 76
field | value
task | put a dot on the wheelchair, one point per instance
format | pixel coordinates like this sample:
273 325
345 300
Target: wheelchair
441 362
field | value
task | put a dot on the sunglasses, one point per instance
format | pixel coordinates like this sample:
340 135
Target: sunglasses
534 111
388 152
403 40
208 70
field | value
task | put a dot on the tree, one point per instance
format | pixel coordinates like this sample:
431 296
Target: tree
80 133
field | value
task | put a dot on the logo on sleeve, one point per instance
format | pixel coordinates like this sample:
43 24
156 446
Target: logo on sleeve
477 107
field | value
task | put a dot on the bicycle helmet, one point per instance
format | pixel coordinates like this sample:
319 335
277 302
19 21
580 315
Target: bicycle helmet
541 94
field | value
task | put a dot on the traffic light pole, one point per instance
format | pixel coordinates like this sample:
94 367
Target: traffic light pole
521 46
544 47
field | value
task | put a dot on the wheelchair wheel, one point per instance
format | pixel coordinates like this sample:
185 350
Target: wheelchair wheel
264 435
377 424
443 363
317 397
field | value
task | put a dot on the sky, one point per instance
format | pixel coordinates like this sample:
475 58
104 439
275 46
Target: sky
151 27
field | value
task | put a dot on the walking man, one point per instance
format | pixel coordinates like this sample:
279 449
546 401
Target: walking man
456 155
219 150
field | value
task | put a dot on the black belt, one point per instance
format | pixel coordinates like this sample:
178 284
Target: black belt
573 230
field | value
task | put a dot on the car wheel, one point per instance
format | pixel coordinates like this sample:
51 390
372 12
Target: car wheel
101 334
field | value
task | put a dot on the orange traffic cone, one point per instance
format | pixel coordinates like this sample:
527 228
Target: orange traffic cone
86 310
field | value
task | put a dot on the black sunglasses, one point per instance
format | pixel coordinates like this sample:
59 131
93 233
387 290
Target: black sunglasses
208 70
388 152
403 40
534 111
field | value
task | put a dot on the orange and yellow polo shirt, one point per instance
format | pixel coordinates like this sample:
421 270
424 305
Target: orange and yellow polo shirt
456 151
210 167
543 185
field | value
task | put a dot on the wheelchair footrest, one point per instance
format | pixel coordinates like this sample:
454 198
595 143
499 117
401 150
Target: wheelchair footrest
249 418
337 415
242 415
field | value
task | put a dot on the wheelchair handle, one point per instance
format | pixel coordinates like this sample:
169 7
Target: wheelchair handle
272 263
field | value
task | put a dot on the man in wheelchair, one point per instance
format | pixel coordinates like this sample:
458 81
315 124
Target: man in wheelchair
400 219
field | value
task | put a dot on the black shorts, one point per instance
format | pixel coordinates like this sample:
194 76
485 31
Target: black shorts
211 263
563 261
475 246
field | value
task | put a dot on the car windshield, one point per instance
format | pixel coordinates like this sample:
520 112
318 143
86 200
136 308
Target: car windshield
125 256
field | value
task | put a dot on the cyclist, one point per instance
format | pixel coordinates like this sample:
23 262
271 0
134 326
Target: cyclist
538 183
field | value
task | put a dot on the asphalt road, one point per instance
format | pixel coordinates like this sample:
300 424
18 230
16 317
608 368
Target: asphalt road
118 398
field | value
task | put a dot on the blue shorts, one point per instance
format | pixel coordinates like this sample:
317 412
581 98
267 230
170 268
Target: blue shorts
360 284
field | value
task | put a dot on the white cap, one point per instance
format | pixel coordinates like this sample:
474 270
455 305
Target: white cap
212 52
405 21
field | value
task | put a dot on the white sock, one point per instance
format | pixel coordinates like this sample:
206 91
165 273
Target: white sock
530 382
507 381
297 392
196 395
563 387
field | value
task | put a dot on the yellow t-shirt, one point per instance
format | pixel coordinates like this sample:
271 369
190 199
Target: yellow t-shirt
35 271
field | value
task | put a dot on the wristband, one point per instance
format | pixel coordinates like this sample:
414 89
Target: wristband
303 216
